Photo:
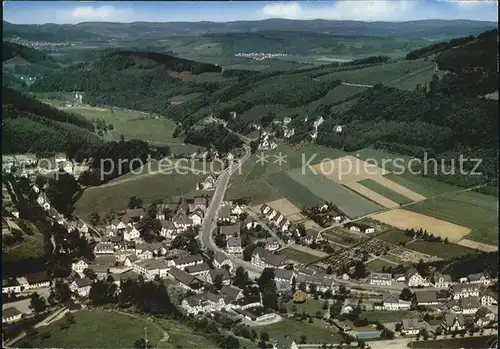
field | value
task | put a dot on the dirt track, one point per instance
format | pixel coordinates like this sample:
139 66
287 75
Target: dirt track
477 245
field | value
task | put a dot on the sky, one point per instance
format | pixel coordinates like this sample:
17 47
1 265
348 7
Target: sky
71 12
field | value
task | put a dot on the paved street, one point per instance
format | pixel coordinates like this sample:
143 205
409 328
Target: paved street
24 305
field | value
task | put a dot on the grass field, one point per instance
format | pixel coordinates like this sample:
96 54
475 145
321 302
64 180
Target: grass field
421 185
388 316
298 256
348 201
445 251
297 193
384 191
96 329
474 210
30 247
395 236
315 332
376 265
310 306
182 336
148 188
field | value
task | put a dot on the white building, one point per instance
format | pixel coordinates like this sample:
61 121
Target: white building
381 279
79 266
10 315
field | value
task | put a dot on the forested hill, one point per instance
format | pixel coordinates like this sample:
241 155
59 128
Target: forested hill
11 50
32 126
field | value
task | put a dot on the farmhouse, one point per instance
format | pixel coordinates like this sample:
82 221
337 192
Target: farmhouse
381 279
359 227
104 248
81 286
233 245
224 214
11 314
37 280
168 229
130 260
410 327
231 294
489 297
484 317
426 298
230 230
453 322
130 233
220 260
283 279
265 259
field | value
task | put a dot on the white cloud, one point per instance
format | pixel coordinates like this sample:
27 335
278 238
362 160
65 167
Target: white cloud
375 10
95 13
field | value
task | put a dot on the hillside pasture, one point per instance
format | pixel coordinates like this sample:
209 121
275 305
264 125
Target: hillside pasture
404 219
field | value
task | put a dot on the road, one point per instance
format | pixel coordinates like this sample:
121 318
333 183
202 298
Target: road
209 223
24 305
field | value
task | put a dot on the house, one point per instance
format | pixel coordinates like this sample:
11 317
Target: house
344 326
135 215
318 282
359 227
11 286
318 122
391 302
185 280
441 280
453 322
271 244
283 279
131 233
489 297
224 214
201 269
23 282
37 280
230 230
60 158
221 260
423 298
257 314
265 259
197 216
484 317
231 294
233 245
284 225
410 327
248 302
11 314
236 210
469 305
251 223
285 342
101 271
414 279
306 270
130 260
208 183
79 266
380 279
106 260
224 274
479 278
104 248
81 286
150 268
271 214
313 236
188 261
203 303
168 230
264 209
288 132
145 254
157 248
465 290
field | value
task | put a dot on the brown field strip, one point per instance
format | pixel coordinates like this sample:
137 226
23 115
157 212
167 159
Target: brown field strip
404 219
297 217
370 194
477 245
285 207
398 188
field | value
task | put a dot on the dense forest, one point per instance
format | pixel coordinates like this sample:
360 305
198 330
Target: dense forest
11 50
216 136
32 126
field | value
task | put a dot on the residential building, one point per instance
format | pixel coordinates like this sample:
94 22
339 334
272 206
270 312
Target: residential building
313 236
424 298
11 285
224 214
149 268
411 327
479 278
453 322
231 294
441 280
283 279
271 244
489 297
414 279
185 280
38 280
233 245
359 227
230 230
188 261
131 233
390 302
265 259
130 260
79 266
104 248
257 314
484 317
201 269
203 303
264 209
380 279
106 260
470 305
168 230
224 274
81 286
464 290
221 260
318 282
10 315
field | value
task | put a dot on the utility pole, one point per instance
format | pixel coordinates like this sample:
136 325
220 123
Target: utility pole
146 337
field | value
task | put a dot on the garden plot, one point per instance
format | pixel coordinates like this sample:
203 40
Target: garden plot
404 219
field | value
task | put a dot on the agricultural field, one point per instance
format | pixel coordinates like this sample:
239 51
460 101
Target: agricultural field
343 237
310 306
348 201
445 251
371 195
388 316
420 77
394 236
403 219
385 191
474 210
285 207
107 198
377 265
298 256
96 329
180 335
